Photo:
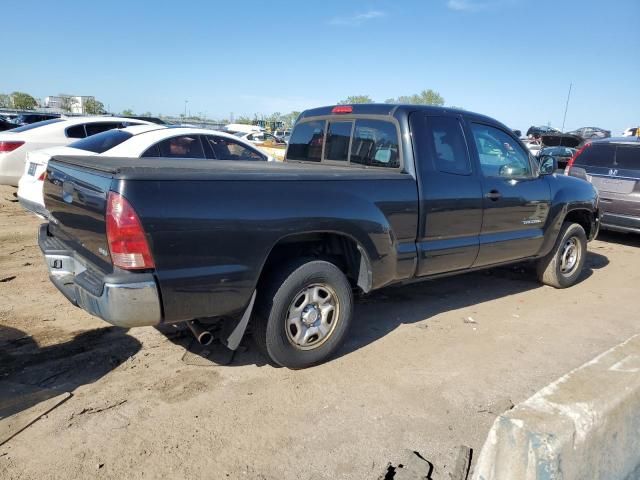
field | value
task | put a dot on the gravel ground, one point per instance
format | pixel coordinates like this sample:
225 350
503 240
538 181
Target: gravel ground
427 368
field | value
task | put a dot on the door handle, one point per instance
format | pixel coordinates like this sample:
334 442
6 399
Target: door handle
494 195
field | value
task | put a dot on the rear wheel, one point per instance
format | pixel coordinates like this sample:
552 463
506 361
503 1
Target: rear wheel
303 313
562 267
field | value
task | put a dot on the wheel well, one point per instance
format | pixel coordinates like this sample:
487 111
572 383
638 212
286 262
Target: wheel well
581 217
341 250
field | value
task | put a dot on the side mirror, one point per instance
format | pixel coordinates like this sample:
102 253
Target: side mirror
548 165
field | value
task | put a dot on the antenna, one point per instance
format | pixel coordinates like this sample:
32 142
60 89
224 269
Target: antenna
566 107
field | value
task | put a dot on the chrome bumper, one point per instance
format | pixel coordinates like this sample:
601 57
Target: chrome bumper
124 304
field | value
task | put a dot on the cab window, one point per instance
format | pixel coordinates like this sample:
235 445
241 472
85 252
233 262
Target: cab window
499 153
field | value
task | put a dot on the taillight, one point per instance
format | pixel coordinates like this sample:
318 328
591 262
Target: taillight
342 109
42 176
6 147
127 241
572 160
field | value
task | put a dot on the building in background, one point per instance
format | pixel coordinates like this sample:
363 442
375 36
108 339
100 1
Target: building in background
63 103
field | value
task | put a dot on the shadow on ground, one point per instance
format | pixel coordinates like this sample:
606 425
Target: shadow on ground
384 310
628 239
60 367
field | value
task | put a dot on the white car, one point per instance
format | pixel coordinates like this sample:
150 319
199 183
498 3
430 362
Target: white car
631 132
16 143
259 138
136 142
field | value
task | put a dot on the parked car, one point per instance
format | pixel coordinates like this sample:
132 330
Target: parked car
282 134
139 141
260 138
561 155
369 196
591 132
28 118
14 144
612 165
536 132
631 132
557 139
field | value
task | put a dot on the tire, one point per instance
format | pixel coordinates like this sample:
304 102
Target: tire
317 297
557 268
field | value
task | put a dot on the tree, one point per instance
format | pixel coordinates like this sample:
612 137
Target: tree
290 118
127 112
146 114
93 107
356 99
425 97
23 101
5 100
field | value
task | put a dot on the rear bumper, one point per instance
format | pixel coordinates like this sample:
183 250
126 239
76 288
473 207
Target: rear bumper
33 207
621 223
130 300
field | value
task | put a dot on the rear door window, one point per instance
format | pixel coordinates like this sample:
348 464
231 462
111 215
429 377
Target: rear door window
221 148
628 157
181 146
338 137
597 155
375 143
306 141
449 146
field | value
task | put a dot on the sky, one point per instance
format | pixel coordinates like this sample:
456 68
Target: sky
510 59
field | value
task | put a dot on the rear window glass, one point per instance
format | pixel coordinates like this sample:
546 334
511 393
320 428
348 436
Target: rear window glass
375 143
449 145
628 158
94 128
306 141
338 136
101 142
31 126
596 156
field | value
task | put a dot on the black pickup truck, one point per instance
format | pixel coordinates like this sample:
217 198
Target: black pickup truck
369 196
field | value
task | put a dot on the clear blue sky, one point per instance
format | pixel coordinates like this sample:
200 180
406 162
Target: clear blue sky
510 59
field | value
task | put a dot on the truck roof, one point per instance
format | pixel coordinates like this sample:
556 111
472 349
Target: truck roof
391 109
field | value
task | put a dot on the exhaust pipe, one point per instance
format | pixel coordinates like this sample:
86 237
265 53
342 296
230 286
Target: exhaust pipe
203 336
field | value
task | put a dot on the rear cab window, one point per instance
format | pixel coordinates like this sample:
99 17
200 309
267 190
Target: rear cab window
368 142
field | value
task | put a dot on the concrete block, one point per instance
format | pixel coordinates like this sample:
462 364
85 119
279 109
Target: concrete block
585 425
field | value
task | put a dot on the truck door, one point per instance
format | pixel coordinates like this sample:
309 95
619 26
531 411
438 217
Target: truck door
516 199
450 194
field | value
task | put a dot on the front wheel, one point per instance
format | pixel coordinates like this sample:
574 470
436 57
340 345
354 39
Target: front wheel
303 313
562 267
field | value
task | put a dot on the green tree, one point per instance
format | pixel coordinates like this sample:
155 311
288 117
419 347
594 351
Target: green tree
290 118
23 101
93 107
5 100
128 112
425 97
147 114
356 99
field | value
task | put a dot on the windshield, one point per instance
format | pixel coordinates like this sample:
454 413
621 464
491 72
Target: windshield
31 126
101 142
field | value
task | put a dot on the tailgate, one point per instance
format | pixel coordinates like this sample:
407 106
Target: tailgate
76 197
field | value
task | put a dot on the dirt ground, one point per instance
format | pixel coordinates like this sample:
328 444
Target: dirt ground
427 368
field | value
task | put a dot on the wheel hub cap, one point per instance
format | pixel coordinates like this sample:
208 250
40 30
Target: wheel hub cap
569 256
312 316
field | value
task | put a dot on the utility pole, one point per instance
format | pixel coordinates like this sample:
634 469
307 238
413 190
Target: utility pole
566 107
185 108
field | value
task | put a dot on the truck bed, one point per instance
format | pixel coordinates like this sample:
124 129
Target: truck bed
190 169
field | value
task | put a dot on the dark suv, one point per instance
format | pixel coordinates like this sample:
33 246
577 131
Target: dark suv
612 165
